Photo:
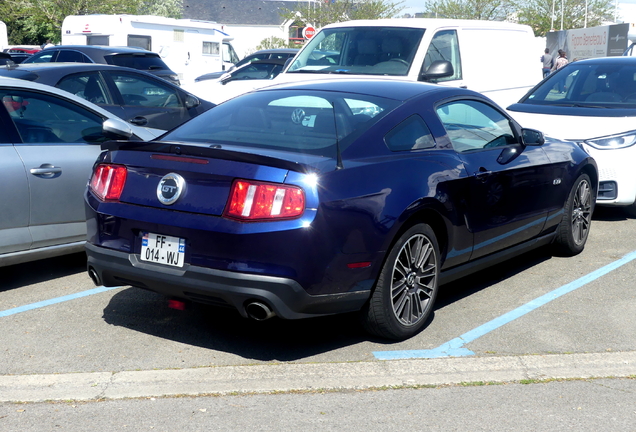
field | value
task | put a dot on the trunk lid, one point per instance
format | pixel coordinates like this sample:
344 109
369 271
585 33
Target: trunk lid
208 172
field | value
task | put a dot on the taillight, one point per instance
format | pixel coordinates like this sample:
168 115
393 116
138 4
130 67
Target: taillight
250 200
108 181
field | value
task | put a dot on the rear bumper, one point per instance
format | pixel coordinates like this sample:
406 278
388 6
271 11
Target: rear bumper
219 287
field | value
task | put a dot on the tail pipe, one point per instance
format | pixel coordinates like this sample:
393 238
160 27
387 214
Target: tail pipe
259 311
94 276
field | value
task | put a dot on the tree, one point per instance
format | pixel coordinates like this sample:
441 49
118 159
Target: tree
319 13
34 21
490 10
274 42
166 8
538 14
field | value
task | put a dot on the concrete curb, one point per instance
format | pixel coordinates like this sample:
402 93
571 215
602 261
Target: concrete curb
306 377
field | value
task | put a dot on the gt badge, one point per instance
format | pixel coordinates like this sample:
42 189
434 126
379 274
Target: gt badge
170 188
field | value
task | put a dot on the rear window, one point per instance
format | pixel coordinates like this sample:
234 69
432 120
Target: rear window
301 121
137 61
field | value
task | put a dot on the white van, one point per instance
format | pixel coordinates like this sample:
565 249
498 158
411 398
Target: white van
189 47
4 42
498 59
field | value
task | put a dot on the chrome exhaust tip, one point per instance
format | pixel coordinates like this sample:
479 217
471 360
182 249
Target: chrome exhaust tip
94 276
259 311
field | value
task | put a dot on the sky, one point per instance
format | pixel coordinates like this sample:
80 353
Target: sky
627 8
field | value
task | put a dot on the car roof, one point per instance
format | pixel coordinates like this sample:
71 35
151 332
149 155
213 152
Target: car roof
386 88
275 51
102 49
72 66
55 71
266 61
427 23
606 60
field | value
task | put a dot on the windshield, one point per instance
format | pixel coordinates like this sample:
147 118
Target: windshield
607 85
292 120
360 51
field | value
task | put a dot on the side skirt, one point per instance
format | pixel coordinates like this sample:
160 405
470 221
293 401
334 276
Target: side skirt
462 270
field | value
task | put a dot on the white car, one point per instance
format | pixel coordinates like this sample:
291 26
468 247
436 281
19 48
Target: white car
49 142
592 102
244 79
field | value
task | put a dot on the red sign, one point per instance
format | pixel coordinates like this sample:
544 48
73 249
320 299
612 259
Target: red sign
308 32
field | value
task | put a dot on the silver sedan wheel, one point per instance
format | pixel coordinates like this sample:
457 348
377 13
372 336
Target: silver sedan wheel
413 281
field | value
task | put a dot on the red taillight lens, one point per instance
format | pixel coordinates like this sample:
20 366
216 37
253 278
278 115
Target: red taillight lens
108 181
251 200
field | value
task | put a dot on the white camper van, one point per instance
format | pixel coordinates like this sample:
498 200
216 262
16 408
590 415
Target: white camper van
189 47
4 42
497 59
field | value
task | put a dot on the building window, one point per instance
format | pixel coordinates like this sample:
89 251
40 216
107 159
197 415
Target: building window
179 35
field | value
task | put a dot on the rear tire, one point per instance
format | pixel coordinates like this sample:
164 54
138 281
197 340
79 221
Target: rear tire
574 228
405 292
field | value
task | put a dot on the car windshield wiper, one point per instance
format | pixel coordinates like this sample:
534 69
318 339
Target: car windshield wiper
583 105
321 71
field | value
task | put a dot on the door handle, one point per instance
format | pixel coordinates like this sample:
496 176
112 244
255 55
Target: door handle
482 174
139 121
46 170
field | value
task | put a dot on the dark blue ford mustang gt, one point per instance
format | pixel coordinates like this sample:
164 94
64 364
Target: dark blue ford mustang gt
329 197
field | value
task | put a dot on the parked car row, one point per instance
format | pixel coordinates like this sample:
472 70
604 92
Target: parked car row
307 199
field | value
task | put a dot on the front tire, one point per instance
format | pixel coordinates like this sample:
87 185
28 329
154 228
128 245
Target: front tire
574 228
405 292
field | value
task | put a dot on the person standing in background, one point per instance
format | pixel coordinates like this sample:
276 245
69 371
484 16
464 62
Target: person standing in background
561 61
547 61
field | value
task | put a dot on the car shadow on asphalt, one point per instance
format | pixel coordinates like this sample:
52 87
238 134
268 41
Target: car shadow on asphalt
610 214
20 275
276 339
281 340
225 330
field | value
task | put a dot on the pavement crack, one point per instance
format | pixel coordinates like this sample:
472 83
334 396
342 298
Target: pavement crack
107 384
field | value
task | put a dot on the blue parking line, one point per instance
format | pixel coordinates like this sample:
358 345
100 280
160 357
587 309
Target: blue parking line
455 347
55 301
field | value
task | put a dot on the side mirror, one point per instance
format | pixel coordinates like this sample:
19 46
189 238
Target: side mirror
532 137
118 129
191 102
438 69
225 78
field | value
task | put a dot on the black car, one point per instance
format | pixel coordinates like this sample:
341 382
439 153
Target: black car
334 196
135 96
135 58
277 53
6 57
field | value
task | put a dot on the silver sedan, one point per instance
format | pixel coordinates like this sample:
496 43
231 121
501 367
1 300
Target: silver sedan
49 140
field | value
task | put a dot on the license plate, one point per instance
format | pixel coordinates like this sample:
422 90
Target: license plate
162 249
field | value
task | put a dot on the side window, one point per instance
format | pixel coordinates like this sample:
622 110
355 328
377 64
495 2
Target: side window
90 86
411 134
70 56
472 125
42 118
138 90
444 46
143 42
211 48
46 57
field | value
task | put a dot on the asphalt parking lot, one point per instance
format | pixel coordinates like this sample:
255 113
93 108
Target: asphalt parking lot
540 308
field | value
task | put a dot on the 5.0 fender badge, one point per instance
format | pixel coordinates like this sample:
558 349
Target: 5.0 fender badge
170 188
